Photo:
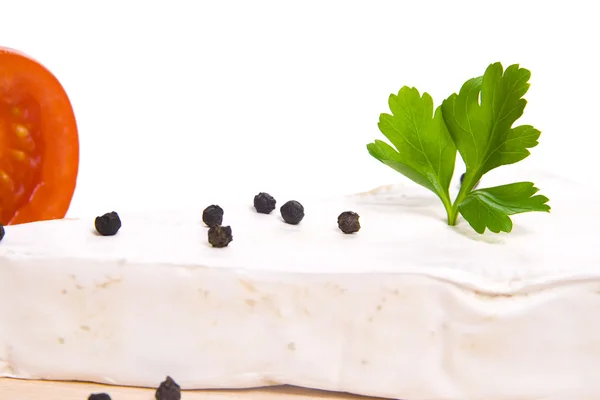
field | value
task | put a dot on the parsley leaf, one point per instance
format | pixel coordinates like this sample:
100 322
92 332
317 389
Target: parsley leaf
424 151
479 119
478 123
482 130
489 208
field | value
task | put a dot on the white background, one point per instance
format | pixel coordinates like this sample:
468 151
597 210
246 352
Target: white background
179 101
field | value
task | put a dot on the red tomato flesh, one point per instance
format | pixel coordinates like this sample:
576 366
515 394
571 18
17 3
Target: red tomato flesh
39 144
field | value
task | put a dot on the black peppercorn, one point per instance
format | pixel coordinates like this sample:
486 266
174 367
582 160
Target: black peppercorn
220 236
264 203
108 224
168 390
99 396
2 232
292 212
212 216
348 222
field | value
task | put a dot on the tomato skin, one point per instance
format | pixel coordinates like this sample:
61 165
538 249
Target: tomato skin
31 96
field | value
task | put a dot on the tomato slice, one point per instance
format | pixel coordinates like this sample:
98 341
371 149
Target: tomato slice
39 143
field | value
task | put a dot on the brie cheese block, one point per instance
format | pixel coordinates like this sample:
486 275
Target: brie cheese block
406 308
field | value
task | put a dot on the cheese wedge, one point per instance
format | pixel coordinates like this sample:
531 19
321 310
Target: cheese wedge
408 307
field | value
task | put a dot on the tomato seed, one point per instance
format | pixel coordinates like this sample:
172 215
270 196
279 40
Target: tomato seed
18 155
21 131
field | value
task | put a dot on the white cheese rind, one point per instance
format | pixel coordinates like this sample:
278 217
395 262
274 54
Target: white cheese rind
406 308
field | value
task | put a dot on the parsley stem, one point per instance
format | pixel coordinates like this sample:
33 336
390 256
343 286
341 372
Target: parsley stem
449 209
453 212
464 191
452 215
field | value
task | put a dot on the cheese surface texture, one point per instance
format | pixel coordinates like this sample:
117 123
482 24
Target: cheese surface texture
408 307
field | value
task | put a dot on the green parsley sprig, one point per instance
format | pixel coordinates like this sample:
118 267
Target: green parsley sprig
478 122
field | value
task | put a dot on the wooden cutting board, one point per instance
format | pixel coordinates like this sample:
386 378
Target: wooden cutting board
14 389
